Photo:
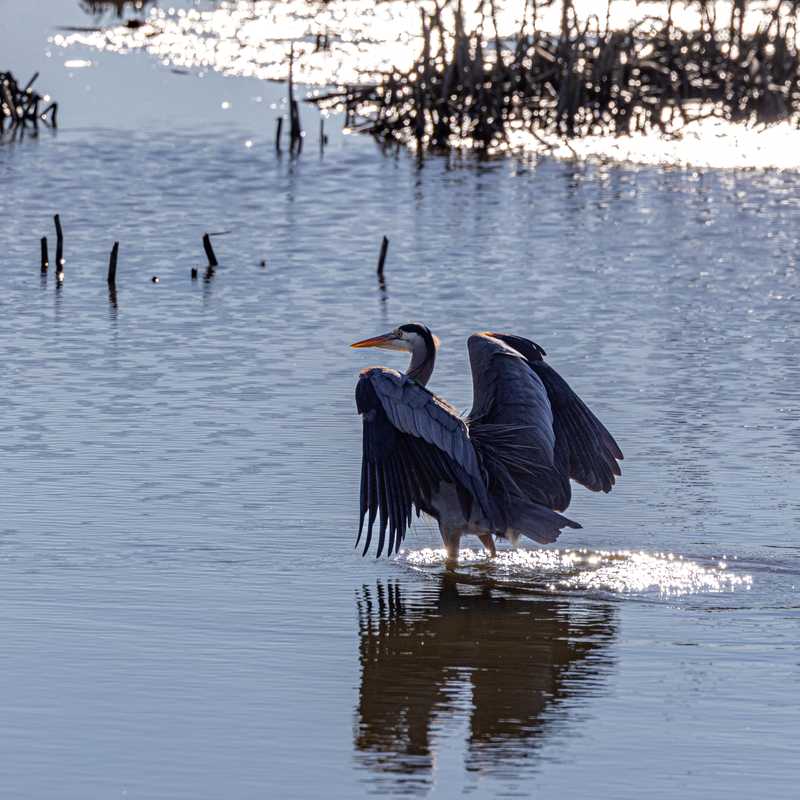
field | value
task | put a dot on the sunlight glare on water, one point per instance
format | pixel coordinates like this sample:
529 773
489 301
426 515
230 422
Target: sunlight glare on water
618 571
708 142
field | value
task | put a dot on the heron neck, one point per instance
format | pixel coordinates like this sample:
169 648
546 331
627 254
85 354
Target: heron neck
421 367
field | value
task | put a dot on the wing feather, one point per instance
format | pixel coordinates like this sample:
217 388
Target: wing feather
413 441
511 423
584 450
589 449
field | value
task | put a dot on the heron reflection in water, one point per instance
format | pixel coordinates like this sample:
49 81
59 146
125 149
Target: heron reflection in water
508 664
502 471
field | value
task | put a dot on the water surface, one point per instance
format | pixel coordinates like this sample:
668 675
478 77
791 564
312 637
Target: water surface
182 613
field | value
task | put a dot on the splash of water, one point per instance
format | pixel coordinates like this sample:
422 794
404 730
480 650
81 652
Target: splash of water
620 572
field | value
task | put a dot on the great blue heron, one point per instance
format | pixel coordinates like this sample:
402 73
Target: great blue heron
503 470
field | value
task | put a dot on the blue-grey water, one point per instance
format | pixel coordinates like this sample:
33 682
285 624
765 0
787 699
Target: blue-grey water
182 613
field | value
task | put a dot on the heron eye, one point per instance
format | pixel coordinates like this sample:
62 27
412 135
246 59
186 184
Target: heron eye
399 333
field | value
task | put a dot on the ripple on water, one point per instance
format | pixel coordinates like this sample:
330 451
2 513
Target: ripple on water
624 572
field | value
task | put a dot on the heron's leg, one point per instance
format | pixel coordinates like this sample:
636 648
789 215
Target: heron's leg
452 539
452 547
488 542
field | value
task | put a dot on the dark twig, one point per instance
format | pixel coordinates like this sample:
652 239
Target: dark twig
59 244
112 265
45 258
382 257
295 128
212 259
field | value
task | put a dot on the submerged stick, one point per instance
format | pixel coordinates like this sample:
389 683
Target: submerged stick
112 265
45 259
279 128
59 244
212 259
382 256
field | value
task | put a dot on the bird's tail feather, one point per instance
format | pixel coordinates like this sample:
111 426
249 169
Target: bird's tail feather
538 523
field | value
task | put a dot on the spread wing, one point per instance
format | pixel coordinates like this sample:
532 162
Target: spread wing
584 449
413 441
511 423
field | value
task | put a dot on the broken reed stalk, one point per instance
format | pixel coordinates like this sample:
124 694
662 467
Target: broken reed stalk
212 259
45 257
19 106
278 129
59 244
382 257
585 80
295 128
112 265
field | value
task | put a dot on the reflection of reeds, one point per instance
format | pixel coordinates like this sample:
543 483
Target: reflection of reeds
21 106
469 87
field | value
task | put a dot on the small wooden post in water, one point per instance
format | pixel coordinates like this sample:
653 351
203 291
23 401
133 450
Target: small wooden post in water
212 259
295 128
382 257
45 258
112 265
59 244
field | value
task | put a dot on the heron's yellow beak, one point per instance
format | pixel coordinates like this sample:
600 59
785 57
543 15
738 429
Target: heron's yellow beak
389 341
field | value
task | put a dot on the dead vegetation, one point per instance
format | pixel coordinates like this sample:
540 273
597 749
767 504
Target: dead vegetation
468 88
21 107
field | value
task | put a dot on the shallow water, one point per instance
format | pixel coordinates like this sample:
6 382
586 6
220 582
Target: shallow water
182 614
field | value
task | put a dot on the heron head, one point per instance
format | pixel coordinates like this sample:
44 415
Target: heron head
409 338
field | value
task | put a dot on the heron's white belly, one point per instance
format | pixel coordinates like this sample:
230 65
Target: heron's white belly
451 516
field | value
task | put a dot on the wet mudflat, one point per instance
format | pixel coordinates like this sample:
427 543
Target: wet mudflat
182 614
